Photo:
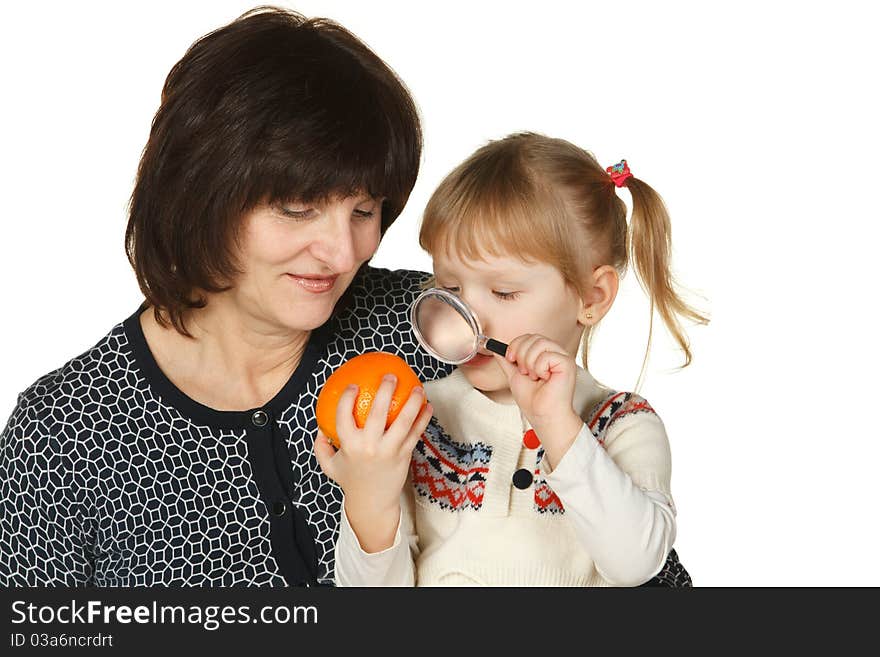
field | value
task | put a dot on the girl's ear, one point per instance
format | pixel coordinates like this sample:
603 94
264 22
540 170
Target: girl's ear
585 316
601 293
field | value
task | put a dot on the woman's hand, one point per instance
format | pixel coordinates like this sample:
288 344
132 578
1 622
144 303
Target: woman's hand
542 376
371 464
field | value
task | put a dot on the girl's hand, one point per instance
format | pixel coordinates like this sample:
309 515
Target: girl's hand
542 376
371 464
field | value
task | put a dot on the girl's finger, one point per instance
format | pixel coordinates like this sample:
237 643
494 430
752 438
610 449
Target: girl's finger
531 354
324 453
418 428
513 347
527 355
536 349
547 362
345 424
378 417
508 368
402 424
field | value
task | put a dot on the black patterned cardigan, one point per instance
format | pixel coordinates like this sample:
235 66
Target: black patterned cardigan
111 476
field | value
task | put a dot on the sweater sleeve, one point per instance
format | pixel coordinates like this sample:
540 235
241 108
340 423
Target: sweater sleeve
394 566
46 535
619 499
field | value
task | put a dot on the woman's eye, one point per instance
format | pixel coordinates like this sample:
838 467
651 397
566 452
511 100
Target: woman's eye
364 215
454 290
506 296
298 215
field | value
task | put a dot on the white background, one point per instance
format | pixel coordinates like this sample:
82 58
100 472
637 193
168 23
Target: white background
755 121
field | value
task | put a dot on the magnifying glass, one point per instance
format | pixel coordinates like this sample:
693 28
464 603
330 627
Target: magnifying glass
448 329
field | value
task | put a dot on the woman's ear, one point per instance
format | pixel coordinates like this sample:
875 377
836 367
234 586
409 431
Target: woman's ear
600 294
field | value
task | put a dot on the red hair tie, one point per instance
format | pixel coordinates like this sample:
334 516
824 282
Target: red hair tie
619 173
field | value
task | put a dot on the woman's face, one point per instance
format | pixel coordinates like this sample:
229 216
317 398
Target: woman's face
299 258
510 298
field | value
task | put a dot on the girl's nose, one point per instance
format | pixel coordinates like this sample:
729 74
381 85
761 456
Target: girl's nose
482 318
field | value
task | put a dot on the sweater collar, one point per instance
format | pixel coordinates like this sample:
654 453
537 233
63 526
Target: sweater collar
201 414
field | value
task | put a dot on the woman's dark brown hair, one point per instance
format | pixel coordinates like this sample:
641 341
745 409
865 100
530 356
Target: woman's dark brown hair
270 108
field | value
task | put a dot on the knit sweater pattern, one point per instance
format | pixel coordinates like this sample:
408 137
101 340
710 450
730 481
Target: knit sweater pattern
483 507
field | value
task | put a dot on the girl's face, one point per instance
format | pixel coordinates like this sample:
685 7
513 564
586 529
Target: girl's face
510 298
299 258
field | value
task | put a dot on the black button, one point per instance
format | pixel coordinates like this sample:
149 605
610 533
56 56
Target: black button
260 418
522 478
278 508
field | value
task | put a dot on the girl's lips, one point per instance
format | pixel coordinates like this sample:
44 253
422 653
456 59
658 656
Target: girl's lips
476 361
314 284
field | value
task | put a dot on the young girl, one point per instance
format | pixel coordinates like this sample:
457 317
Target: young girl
523 469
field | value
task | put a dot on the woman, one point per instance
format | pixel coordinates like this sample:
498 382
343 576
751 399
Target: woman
178 450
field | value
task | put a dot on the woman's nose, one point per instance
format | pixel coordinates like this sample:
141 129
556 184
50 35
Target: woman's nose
336 246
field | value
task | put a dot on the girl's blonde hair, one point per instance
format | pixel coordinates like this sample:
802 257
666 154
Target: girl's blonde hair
546 200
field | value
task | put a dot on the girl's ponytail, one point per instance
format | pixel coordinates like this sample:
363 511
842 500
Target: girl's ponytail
548 200
649 242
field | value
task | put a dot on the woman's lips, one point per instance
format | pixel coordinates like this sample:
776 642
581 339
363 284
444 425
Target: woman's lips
314 284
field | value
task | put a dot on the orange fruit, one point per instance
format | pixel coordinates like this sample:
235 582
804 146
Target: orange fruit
366 372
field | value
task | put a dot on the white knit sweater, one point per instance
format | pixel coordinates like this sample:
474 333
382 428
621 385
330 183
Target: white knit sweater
603 517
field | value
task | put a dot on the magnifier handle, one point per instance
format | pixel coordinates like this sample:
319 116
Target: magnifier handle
498 347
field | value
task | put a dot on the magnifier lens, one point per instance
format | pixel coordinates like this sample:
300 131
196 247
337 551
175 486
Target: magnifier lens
444 329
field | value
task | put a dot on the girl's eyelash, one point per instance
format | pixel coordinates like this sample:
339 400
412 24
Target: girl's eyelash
504 296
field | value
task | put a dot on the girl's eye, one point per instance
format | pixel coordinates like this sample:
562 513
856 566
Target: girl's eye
506 296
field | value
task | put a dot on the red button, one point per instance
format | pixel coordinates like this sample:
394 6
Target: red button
530 439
